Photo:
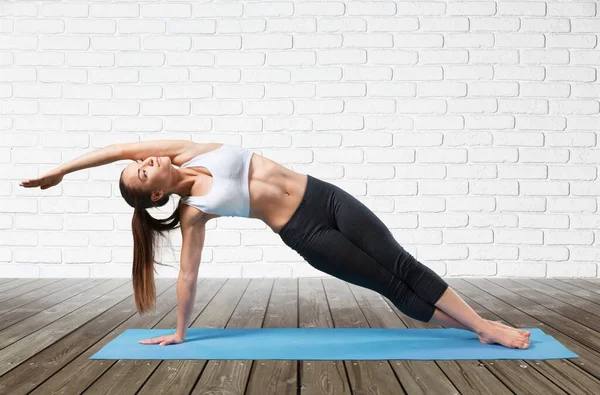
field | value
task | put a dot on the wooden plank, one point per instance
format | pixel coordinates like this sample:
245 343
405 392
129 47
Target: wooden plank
4 280
571 324
25 288
516 374
501 369
580 283
318 377
38 293
231 376
591 320
427 377
48 372
561 373
574 287
24 339
214 304
24 327
277 377
24 306
366 377
589 359
179 376
595 281
15 284
579 309
56 367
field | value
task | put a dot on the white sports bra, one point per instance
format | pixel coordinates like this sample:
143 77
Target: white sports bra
229 195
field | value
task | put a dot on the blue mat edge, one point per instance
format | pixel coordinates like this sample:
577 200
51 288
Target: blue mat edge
567 354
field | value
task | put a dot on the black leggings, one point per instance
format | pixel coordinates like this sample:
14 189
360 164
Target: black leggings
337 234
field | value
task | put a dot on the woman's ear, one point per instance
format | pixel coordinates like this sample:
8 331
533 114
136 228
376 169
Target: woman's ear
156 195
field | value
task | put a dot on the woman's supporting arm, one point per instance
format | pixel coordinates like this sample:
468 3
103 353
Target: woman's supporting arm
186 294
193 233
98 157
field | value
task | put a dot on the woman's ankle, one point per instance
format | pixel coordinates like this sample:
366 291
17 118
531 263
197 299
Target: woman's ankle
443 319
482 327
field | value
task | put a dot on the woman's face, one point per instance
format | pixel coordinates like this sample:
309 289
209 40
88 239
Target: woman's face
149 175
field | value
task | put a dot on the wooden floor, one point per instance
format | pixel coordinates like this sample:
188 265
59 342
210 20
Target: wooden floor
50 327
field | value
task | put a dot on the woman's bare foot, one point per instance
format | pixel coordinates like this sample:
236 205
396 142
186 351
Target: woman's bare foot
501 325
507 337
498 323
484 340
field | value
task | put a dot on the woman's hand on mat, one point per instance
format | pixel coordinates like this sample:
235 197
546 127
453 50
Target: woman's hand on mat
53 177
164 340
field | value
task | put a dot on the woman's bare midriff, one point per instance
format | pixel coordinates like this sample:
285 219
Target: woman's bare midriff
275 192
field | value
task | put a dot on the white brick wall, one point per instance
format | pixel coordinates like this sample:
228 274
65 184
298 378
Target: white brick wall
468 127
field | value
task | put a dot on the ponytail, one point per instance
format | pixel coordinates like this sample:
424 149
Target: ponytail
145 228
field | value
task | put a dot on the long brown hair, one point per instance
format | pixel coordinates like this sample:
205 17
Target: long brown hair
145 228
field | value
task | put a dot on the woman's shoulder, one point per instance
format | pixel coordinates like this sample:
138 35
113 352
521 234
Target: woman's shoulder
194 150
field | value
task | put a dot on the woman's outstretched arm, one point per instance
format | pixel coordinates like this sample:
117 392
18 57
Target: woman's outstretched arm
133 151
112 153
98 157
93 158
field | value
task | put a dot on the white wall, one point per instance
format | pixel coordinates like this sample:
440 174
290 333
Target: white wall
469 128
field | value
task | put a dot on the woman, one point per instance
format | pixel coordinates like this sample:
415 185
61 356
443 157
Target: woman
328 227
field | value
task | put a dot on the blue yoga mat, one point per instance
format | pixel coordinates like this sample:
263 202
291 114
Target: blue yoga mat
326 344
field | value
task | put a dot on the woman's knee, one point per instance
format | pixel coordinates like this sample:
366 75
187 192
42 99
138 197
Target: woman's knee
410 304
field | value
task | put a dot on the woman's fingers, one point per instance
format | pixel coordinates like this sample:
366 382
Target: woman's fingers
153 340
28 183
166 340
45 181
163 340
36 182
